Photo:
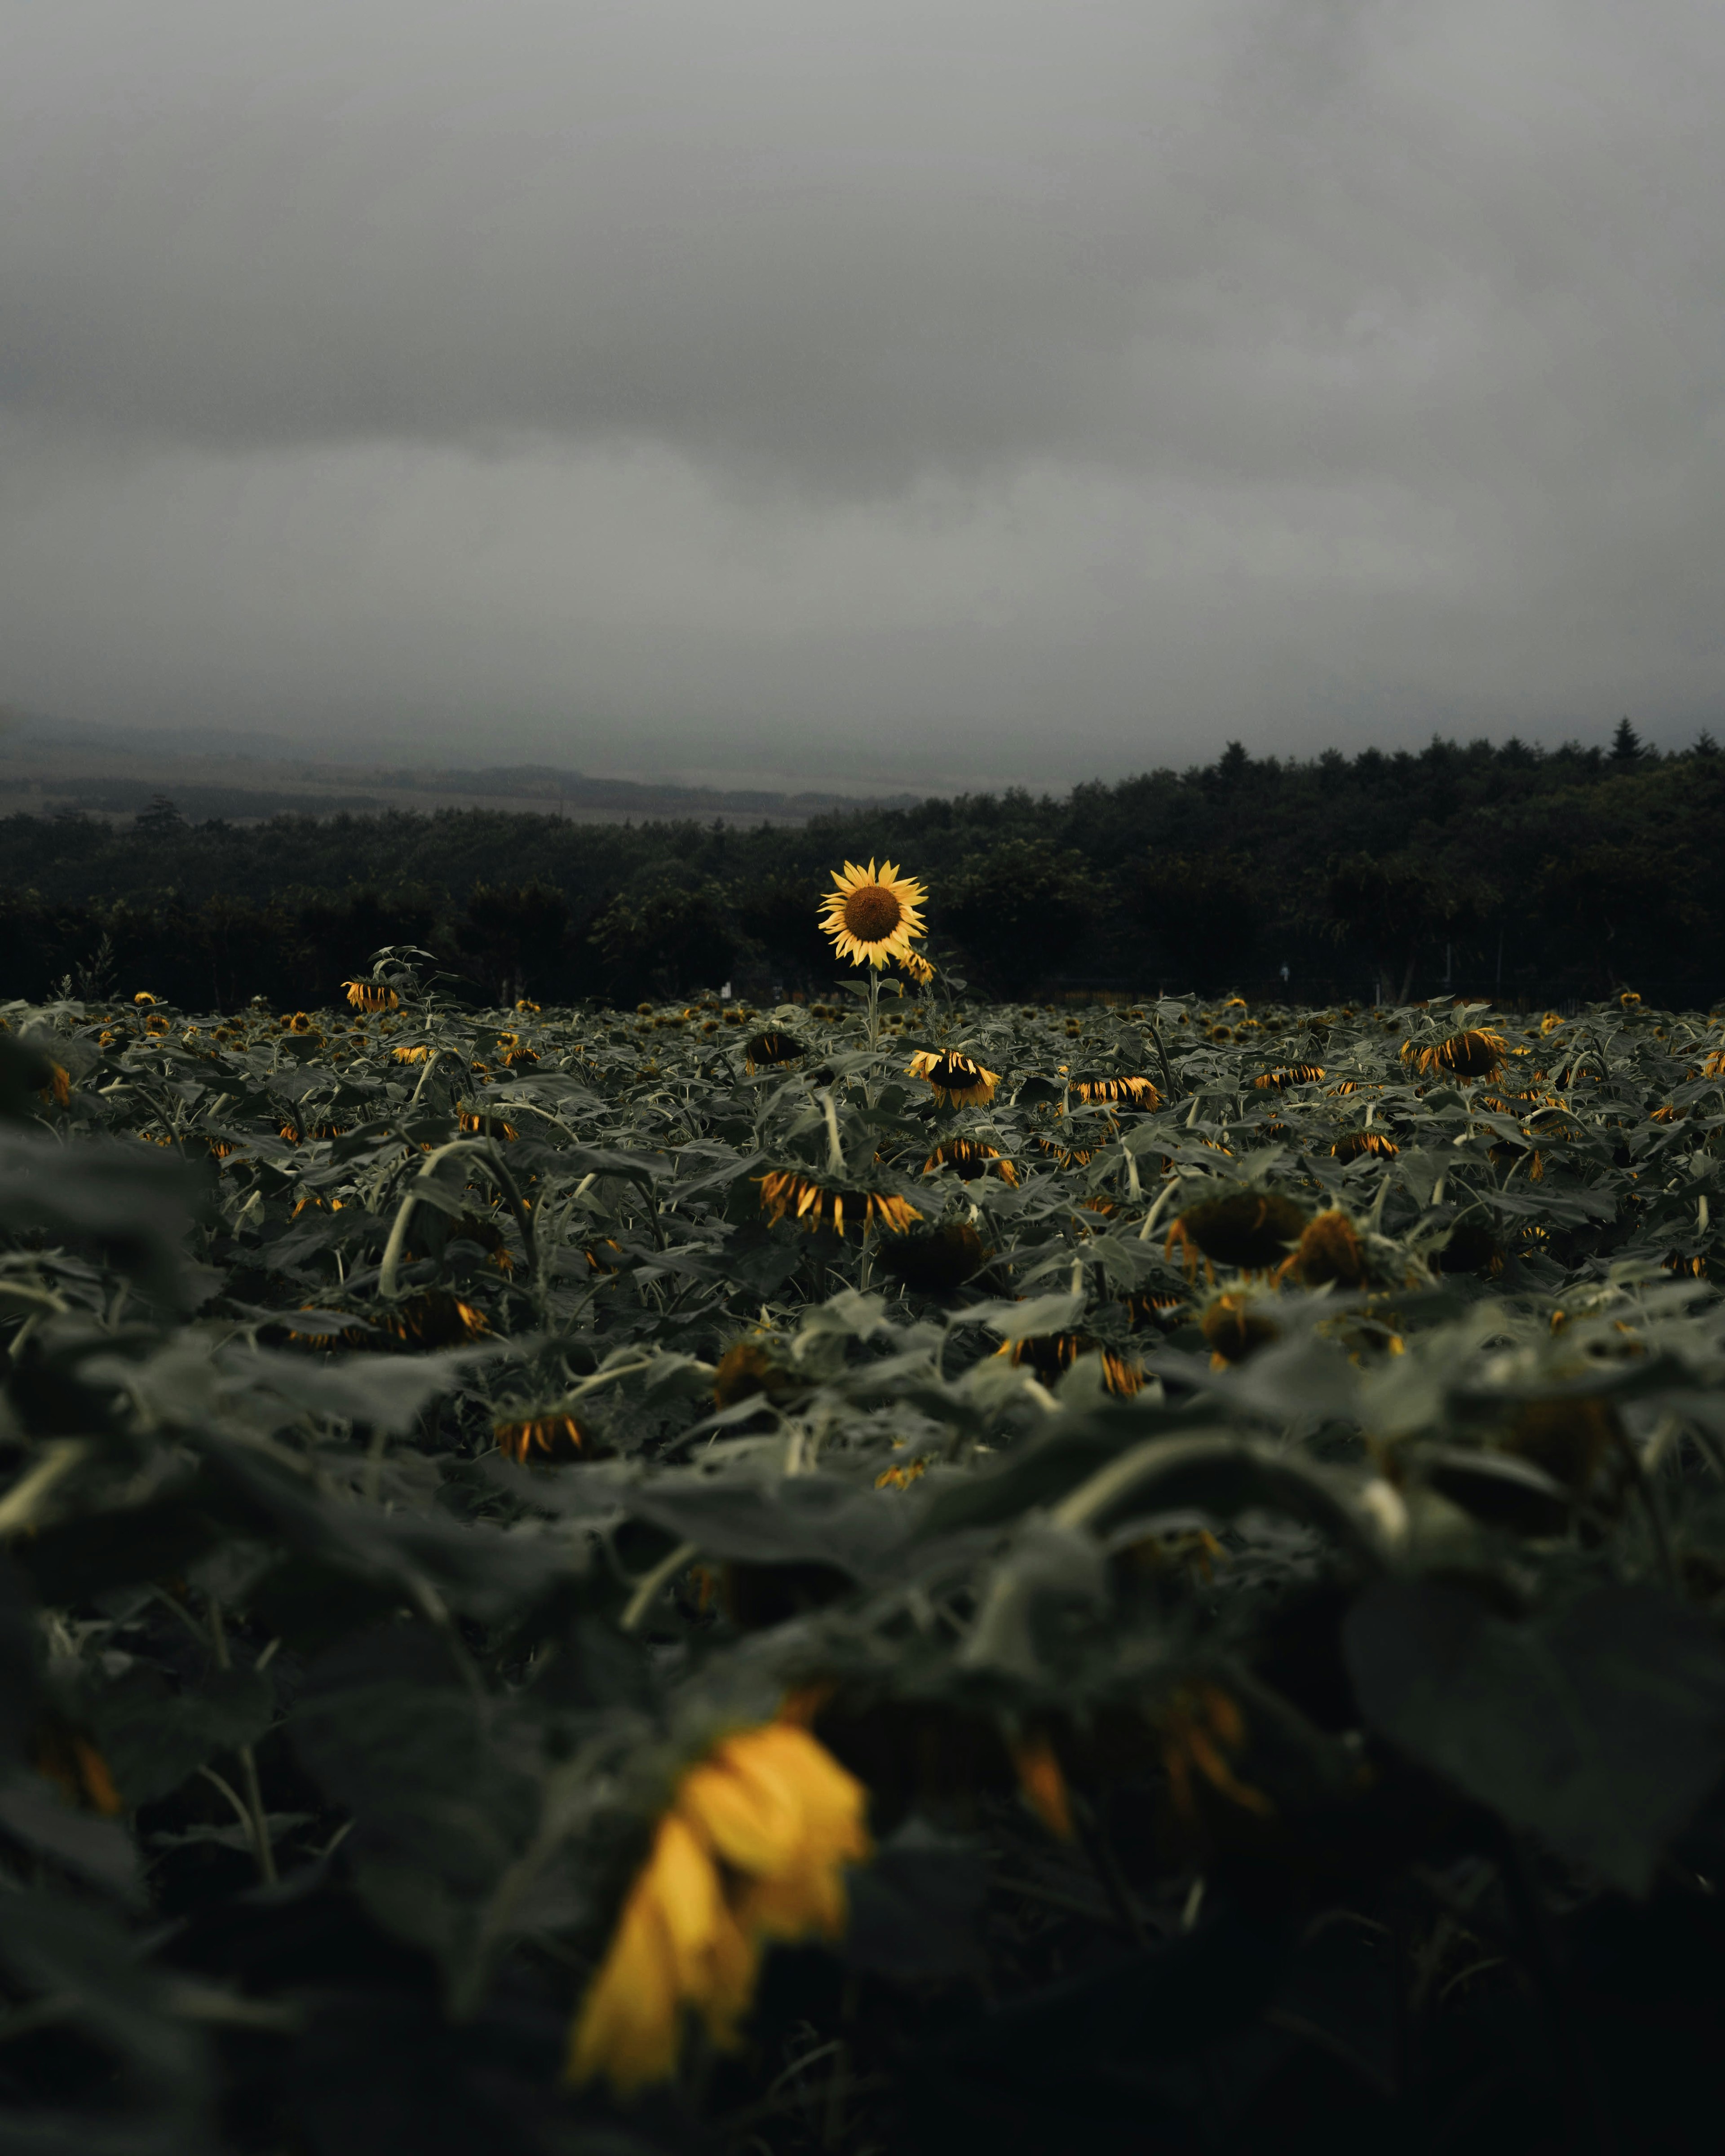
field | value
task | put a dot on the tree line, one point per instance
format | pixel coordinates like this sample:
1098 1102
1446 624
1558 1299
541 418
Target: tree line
1504 870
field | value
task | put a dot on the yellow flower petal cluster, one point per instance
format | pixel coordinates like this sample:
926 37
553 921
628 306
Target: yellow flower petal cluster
871 918
960 1080
752 1849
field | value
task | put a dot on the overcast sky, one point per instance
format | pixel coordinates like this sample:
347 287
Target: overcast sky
913 389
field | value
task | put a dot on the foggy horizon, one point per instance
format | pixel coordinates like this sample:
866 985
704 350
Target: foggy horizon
922 399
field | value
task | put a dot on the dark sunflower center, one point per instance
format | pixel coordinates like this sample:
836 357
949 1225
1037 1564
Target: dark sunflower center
872 912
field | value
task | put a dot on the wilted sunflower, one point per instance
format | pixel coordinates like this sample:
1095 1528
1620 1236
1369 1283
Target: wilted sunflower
1234 1330
960 1080
800 1195
919 969
371 996
967 1158
1110 1093
1329 1251
770 1047
871 917
749 1367
1200 1727
553 1437
939 1263
1250 1230
1475 1053
1050 1355
1289 1074
753 1848
1354 1144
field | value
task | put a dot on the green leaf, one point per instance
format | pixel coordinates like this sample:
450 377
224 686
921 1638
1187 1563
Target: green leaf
1601 1727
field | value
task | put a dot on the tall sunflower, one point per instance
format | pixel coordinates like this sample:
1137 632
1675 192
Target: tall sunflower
871 918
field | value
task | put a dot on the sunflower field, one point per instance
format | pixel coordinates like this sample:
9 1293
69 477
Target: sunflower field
893 1574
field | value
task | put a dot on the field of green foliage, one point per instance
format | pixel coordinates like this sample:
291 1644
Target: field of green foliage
872 1575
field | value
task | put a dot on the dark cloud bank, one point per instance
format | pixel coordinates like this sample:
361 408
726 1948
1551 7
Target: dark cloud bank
940 391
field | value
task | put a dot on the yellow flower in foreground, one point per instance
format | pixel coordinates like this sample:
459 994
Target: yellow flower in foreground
959 1081
753 1848
871 918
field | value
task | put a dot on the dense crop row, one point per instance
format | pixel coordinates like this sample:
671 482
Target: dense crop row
858 1576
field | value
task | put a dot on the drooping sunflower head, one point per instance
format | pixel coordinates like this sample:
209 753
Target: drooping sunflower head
959 1081
1110 1093
1329 1251
1475 1053
771 1047
800 1195
1289 1074
919 969
538 1439
939 1263
1050 1355
1250 1230
1355 1145
967 1158
871 917
1235 1329
371 996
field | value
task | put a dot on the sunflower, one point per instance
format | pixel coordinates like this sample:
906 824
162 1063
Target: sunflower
1234 1330
1250 1230
1200 1727
1354 1145
1289 1074
770 1047
871 918
753 1848
919 969
938 1263
749 1367
795 1193
1050 1355
959 1081
1110 1093
967 1158
371 996
1329 1249
557 1437
1475 1053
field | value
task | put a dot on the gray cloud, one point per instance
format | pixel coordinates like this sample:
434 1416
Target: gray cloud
923 383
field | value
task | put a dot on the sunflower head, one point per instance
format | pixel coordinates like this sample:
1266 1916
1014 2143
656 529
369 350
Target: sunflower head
916 968
748 1368
871 917
770 1047
1329 1249
1475 1053
538 1439
1110 1093
799 1195
939 1263
1050 1355
371 996
1289 1074
1356 1145
1234 1329
1250 1230
959 1081
967 1158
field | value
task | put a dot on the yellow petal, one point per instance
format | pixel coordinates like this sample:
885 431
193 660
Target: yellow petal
629 2025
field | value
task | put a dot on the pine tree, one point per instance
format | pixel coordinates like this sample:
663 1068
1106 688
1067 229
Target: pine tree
1625 745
